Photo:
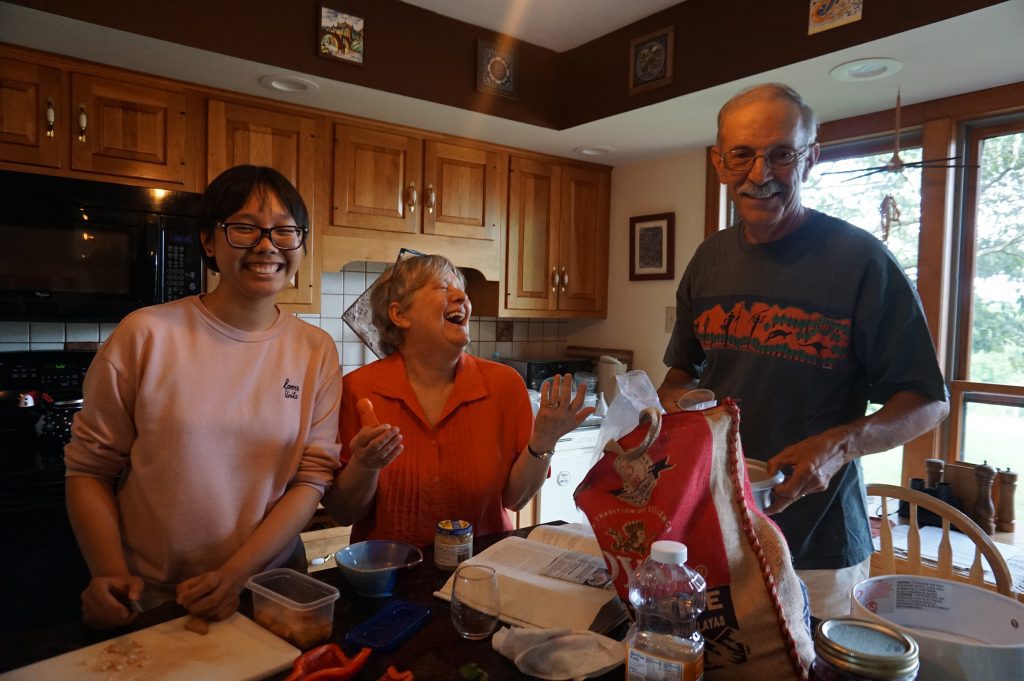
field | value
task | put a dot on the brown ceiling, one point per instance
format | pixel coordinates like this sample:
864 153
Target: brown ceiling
416 53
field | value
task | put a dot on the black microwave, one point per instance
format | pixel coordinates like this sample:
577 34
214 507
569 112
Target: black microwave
77 250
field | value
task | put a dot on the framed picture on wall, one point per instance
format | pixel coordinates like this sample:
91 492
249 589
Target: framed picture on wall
652 243
650 60
496 69
341 36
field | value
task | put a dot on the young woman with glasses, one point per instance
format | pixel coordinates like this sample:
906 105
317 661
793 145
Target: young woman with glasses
208 430
457 438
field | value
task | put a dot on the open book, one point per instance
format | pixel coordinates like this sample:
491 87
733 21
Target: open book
555 578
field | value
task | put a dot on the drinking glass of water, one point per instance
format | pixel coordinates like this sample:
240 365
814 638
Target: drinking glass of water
475 605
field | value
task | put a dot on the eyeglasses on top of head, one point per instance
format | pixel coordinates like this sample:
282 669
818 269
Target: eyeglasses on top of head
402 252
244 235
742 159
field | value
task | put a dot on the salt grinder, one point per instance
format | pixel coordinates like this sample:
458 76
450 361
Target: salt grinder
933 470
984 511
1004 514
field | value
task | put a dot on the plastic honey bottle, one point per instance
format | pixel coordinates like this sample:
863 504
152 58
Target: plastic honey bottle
667 597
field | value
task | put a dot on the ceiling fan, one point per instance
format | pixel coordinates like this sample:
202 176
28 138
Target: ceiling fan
888 209
897 164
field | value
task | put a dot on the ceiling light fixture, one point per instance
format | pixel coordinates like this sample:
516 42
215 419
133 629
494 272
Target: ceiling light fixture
871 68
594 151
288 84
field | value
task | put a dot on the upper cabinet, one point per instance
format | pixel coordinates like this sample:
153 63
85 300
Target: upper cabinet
393 182
124 128
285 141
31 98
557 248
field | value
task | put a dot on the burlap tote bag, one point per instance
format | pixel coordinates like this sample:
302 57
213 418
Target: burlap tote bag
682 476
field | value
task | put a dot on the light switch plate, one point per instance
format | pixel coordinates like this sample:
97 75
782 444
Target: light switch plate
670 319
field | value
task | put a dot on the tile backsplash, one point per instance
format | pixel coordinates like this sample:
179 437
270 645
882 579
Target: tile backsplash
516 338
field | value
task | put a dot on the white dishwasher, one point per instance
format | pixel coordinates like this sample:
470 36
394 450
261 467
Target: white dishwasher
574 455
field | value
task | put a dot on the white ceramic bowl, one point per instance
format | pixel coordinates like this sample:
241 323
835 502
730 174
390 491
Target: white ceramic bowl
760 483
964 632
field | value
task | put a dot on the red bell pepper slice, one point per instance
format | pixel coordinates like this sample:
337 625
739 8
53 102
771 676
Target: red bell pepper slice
393 674
327 663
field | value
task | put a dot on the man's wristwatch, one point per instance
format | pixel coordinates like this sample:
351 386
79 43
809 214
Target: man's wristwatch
543 456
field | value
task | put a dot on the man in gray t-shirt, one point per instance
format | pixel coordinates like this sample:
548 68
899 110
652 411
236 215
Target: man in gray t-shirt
803 319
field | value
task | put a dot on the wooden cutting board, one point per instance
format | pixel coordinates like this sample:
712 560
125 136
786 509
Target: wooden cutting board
236 649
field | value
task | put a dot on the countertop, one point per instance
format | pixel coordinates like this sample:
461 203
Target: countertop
435 652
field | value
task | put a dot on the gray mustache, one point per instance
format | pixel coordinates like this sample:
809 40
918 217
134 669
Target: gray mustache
762 191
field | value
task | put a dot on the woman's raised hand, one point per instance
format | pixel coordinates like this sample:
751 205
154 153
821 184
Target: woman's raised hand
559 412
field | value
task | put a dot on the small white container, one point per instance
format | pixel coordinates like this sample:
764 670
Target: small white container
761 483
296 607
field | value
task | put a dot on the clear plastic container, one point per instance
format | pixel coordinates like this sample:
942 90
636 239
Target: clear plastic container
664 643
296 607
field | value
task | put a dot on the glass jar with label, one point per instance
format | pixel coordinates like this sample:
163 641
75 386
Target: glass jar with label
849 649
453 543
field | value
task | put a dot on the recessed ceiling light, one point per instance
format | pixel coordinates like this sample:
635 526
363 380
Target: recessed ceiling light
288 83
871 68
594 151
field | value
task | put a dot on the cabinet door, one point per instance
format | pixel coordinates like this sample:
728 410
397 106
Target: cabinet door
583 241
533 219
283 141
27 93
376 180
130 130
460 191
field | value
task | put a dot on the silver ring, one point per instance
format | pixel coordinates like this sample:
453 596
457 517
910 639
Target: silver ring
554 405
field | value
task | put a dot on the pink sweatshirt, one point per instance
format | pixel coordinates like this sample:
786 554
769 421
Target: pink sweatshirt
210 425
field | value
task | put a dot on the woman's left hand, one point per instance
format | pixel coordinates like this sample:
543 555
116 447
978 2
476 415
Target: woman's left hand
211 595
559 412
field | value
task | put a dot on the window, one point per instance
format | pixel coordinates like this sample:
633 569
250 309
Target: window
839 187
987 421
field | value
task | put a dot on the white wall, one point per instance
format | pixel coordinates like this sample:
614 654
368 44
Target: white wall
636 309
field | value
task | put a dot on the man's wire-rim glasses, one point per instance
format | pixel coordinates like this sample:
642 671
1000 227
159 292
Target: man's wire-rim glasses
742 159
398 263
244 235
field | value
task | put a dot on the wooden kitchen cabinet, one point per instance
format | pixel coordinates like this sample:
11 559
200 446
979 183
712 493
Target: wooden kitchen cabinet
557 247
390 181
30 94
101 125
286 141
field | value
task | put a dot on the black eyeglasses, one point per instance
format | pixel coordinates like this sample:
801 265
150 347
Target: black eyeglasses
742 159
398 263
244 235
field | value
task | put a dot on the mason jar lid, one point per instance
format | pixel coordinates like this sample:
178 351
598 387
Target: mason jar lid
866 648
455 527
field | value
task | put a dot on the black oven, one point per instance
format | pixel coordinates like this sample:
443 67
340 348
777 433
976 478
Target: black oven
40 392
76 250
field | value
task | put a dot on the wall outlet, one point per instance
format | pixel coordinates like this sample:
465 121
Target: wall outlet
670 319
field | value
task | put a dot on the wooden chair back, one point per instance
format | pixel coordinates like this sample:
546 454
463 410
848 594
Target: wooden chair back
886 562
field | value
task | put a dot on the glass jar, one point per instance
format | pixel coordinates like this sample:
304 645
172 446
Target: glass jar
453 543
849 649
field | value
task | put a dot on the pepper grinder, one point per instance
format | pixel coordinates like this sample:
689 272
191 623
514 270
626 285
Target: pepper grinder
984 510
933 471
1004 514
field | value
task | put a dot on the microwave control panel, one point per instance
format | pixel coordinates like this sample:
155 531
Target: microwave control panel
182 262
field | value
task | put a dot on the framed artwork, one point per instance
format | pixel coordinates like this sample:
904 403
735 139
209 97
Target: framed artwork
826 14
652 244
650 60
341 36
496 69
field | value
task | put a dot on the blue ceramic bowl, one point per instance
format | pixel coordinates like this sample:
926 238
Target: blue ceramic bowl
371 567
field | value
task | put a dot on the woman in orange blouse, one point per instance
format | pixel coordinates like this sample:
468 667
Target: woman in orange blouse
457 438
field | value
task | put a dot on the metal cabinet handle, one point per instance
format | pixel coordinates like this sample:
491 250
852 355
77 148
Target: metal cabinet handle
565 280
431 198
554 279
83 122
51 117
410 196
